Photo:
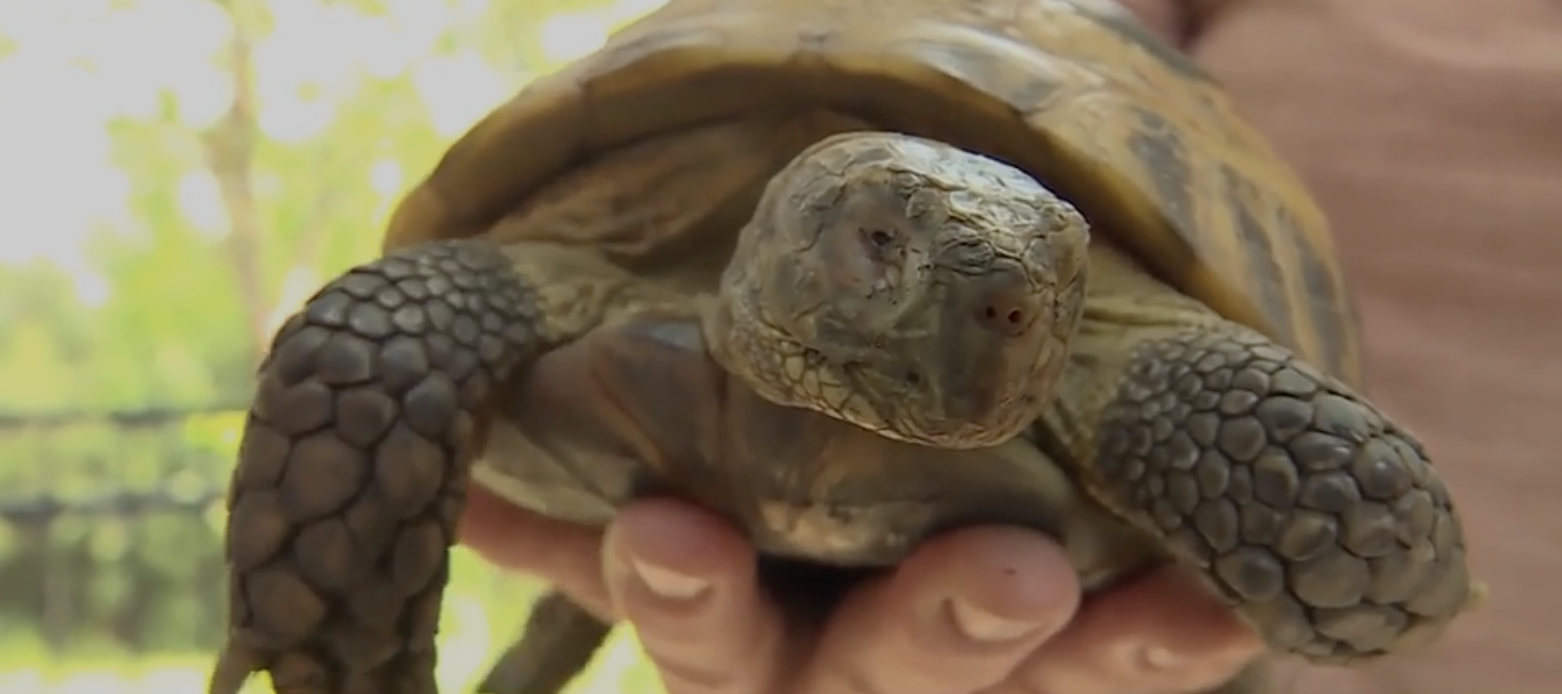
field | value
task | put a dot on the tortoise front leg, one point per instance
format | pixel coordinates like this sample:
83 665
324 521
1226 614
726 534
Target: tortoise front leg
354 463
1319 519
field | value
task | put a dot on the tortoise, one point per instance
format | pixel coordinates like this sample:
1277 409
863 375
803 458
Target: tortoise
851 273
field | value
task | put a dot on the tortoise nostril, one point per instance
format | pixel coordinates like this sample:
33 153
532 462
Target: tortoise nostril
1003 315
1013 317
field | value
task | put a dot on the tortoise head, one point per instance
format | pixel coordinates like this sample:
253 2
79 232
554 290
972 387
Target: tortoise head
906 286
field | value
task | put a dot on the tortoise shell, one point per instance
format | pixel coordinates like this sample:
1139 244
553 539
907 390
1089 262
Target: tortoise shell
1074 92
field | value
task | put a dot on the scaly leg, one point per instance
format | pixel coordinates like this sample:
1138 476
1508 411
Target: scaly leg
1309 510
356 456
1321 520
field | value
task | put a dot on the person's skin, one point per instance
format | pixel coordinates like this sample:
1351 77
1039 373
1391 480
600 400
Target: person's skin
1431 131
685 579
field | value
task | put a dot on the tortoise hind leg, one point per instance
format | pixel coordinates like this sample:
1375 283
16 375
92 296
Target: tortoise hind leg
1320 520
354 464
558 642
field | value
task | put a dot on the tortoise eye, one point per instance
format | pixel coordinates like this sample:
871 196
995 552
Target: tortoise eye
882 244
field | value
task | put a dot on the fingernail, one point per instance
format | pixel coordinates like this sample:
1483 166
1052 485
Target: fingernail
668 583
981 625
1159 658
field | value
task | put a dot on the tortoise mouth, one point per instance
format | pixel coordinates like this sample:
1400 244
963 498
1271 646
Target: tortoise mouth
893 390
899 402
880 419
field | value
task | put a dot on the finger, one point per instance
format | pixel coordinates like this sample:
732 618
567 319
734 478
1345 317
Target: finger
957 616
514 539
1160 633
686 580
1167 20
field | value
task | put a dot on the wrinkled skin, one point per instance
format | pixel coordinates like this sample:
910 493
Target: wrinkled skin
918 291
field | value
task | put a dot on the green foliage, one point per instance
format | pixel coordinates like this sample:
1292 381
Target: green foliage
174 176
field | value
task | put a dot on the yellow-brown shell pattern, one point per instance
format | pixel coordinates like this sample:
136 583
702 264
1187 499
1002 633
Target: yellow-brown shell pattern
1073 91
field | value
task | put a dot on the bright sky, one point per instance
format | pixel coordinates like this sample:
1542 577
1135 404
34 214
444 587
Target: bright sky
78 63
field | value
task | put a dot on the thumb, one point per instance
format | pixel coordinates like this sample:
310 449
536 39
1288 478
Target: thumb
514 539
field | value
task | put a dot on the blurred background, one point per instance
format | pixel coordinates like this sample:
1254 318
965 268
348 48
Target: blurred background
176 176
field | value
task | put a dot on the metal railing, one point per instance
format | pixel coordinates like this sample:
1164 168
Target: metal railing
104 563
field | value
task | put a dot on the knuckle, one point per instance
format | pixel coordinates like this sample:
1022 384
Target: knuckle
723 657
689 678
842 678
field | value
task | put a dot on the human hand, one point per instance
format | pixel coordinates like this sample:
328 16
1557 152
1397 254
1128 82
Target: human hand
994 610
